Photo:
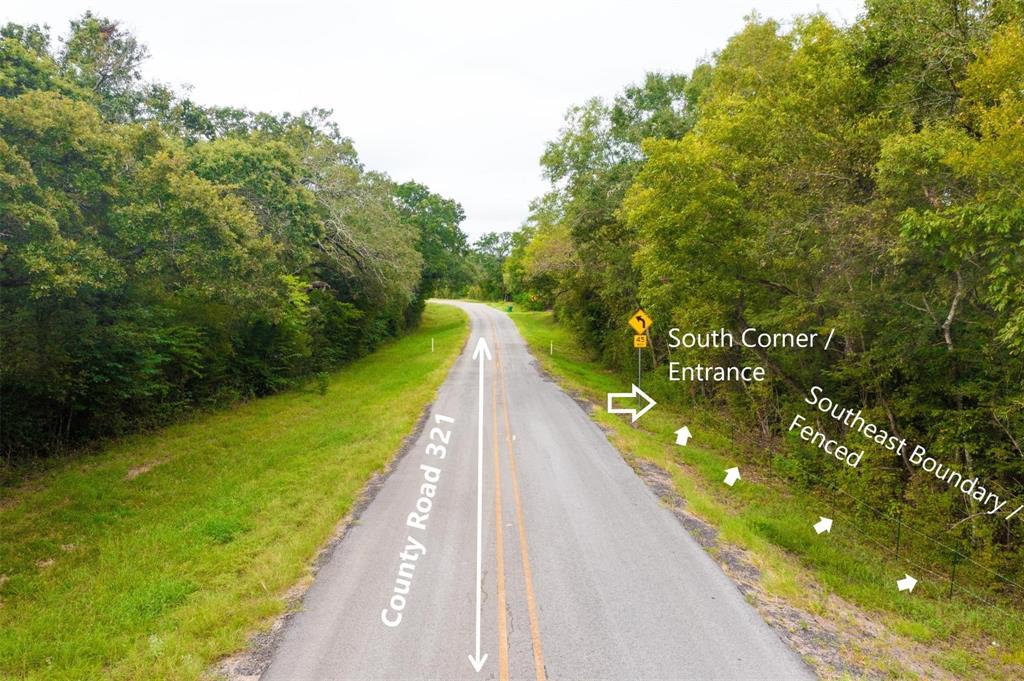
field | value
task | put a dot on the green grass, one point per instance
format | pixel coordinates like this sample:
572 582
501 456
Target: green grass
114 574
773 522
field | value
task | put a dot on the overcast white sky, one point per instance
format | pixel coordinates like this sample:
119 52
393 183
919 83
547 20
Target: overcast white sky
458 95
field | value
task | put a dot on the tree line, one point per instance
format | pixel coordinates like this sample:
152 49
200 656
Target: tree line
158 255
866 177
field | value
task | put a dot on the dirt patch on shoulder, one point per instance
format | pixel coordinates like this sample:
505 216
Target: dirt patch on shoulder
849 643
144 468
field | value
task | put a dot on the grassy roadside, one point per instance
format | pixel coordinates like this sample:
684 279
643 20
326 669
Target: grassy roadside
158 555
961 639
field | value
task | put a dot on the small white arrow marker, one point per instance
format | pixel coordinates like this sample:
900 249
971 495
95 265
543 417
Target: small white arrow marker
731 476
823 525
906 584
683 436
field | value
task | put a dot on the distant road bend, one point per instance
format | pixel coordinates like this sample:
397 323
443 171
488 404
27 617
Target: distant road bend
584 575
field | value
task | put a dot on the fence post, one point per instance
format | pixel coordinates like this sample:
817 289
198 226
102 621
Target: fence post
952 573
899 528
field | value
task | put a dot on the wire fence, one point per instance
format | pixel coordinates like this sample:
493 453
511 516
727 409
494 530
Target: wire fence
943 568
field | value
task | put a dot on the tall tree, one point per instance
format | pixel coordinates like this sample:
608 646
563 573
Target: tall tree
104 59
442 242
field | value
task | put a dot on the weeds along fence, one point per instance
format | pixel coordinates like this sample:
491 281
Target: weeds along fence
943 566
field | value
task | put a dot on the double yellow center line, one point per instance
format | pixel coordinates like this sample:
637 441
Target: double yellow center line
524 553
499 533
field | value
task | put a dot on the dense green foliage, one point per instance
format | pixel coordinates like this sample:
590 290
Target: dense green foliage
485 265
157 254
866 178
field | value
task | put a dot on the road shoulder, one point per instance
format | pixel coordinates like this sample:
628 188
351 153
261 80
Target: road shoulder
250 663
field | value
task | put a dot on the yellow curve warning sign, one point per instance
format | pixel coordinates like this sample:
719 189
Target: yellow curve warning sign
640 321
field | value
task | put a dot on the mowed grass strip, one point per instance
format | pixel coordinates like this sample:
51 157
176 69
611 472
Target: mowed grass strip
157 556
774 521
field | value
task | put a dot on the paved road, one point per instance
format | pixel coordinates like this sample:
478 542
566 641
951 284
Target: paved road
584 574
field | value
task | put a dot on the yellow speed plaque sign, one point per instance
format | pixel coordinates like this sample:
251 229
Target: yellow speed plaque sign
640 321
640 341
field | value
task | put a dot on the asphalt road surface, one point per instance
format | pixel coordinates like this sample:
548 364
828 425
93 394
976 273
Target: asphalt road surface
584 574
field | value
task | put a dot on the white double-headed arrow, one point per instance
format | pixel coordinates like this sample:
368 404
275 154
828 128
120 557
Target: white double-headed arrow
481 352
634 413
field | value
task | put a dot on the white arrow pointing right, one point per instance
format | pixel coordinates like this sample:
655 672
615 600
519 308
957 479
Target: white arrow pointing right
906 584
823 525
633 413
